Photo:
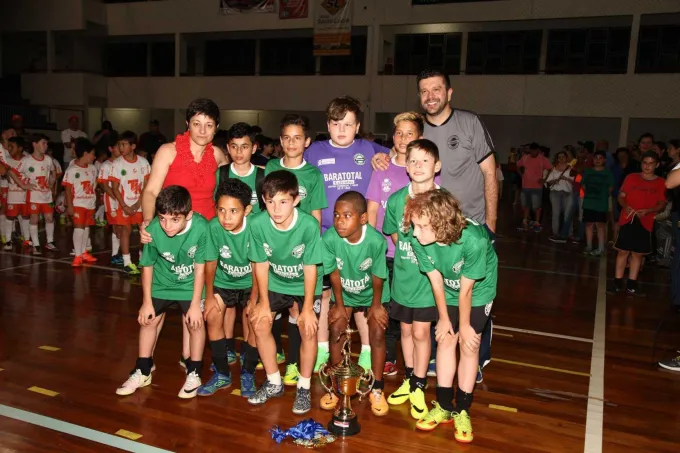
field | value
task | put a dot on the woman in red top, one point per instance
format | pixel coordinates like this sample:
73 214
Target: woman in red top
190 161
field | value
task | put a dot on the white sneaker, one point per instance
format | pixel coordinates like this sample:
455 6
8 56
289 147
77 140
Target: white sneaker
135 381
191 386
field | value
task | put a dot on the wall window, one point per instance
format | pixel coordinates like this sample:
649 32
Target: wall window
413 53
230 57
354 64
588 51
163 59
659 49
291 56
126 59
507 52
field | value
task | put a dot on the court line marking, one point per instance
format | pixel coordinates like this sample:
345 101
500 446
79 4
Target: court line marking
543 334
78 431
595 412
42 391
22 266
504 334
49 348
117 298
545 271
541 367
64 261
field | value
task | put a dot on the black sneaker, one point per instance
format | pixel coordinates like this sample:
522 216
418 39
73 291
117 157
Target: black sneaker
557 240
614 287
637 292
303 401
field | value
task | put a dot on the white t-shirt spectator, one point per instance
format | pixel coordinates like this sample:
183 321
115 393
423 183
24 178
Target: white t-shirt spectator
562 185
66 136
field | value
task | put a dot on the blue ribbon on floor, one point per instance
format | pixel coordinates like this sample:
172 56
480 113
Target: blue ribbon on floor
305 430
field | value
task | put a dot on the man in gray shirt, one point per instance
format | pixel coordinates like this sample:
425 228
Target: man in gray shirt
468 164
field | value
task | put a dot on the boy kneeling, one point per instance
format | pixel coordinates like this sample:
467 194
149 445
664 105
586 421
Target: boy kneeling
355 259
173 273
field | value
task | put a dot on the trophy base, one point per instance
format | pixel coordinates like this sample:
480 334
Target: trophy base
344 428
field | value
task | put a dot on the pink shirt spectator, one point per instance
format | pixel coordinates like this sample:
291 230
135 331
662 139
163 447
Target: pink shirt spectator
534 167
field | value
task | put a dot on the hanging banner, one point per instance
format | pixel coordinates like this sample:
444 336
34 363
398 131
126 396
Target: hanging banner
293 9
332 27
246 6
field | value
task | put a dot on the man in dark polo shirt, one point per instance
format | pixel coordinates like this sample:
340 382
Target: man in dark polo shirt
468 164
152 140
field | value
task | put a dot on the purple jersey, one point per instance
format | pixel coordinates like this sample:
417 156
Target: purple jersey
383 184
343 169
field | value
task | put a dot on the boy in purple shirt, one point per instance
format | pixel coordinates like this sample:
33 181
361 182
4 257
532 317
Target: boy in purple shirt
345 163
408 126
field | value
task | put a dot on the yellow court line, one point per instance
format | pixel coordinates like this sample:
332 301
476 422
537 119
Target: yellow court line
239 338
49 348
2 369
128 434
541 367
117 298
502 408
42 391
236 392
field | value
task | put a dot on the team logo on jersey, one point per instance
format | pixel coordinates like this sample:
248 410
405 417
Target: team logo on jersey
457 266
192 251
267 249
339 262
123 172
76 215
77 175
31 169
253 198
487 308
359 159
365 264
167 256
298 250
386 185
303 192
225 252
34 207
453 142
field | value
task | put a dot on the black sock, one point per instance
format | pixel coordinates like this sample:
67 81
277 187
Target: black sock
231 344
276 332
219 355
250 359
408 372
618 282
631 284
463 401
194 365
294 343
378 385
144 365
445 398
417 383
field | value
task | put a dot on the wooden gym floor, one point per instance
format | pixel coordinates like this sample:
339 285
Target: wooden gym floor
572 367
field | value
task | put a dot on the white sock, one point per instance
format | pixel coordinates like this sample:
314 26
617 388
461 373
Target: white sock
86 239
292 320
275 379
89 242
304 382
126 260
25 232
115 244
3 220
365 347
78 241
49 230
34 235
323 345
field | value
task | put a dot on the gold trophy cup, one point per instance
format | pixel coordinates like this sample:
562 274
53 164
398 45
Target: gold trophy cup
343 379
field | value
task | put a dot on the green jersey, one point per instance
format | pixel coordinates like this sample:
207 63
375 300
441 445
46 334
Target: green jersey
410 287
472 257
231 252
310 180
250 178
173 258
357 264
287 251
596 186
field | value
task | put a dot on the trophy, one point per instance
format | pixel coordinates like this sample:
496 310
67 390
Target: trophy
344 379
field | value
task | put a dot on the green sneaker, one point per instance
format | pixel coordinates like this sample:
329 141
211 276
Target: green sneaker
401 395
434 418
292 374
365 359
280 358
132 269
322 356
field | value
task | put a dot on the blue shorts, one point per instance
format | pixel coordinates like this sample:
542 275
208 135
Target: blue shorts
532 198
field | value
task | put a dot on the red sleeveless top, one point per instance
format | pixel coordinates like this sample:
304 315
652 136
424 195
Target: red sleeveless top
198 178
